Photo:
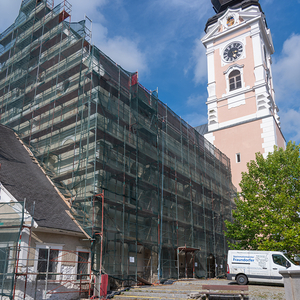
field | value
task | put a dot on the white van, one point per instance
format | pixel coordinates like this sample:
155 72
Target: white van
257 266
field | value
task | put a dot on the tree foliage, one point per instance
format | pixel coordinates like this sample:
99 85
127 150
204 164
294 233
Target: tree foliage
267 214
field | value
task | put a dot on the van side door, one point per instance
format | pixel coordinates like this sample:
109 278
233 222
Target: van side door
278 263
260 268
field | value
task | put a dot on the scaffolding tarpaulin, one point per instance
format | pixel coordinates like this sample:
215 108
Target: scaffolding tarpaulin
164 184
134 78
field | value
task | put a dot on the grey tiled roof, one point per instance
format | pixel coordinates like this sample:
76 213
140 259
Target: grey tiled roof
202 129
23 178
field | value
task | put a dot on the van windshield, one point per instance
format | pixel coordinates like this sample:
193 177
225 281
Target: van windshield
279 260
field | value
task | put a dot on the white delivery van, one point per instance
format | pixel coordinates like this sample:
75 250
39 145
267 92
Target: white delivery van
257 266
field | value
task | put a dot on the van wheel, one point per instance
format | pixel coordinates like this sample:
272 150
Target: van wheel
242 279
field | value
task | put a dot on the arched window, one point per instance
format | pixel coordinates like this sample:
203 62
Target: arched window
235 81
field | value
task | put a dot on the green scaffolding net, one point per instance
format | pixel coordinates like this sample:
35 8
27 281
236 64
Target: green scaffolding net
93 127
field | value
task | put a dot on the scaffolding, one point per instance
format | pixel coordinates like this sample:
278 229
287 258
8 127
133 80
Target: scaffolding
26 273
93 127
11 222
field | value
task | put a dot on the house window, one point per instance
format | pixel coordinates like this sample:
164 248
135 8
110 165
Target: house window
238 157
4 259
47 262
7 263
83 265
235 81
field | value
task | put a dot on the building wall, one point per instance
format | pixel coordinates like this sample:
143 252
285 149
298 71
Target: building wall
65 283
236 109
232 141
94 128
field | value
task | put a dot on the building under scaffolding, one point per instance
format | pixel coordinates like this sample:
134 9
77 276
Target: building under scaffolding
93 127
42 254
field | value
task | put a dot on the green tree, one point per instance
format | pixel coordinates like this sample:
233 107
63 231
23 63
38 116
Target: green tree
267 214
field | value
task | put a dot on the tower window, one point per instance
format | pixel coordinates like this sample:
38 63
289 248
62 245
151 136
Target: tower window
235 81
238 157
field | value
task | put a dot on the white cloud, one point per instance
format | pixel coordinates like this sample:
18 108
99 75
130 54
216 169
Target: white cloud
180 21
286 71
290 122
198 63
9 11
195 119
122 50
196 100
90 8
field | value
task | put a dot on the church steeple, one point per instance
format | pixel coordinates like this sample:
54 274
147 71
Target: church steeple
242 113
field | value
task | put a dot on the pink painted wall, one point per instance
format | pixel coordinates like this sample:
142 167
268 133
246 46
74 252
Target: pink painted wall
232 140
280 138
232 35
227 114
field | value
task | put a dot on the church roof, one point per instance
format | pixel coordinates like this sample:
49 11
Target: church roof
202 129
22 176
220 7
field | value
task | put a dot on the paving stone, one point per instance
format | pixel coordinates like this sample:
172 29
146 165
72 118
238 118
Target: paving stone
189 289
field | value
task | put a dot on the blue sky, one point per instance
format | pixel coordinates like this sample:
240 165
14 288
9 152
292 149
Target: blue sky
161 39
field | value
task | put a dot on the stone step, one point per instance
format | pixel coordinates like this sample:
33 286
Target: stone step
173 292
147 298
179 290
156 294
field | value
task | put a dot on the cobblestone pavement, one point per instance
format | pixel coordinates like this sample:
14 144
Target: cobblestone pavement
256 291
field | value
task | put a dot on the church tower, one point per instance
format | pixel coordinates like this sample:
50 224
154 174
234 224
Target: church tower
242 113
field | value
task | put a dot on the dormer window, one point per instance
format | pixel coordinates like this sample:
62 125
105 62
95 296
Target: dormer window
235 81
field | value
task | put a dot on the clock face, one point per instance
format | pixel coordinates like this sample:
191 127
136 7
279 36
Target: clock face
233 51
